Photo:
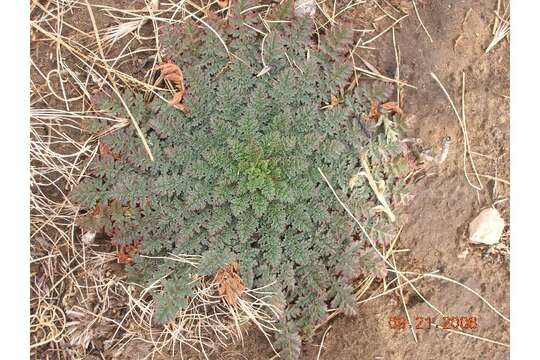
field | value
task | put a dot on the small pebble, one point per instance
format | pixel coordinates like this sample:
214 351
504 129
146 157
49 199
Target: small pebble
88 237
305 8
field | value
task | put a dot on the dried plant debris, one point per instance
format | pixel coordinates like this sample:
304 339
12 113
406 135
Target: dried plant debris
392 106
125 252
235 180
230 284
172 73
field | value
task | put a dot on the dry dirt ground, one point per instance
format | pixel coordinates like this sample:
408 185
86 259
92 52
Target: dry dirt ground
443 203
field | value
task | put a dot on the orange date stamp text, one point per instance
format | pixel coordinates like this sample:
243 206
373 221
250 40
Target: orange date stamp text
467 322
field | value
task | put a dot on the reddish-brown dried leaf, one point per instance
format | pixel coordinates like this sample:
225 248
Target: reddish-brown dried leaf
176 101
97 210
124 253
173 73
392 106
104 149
122 258
230 284
223 3
374 111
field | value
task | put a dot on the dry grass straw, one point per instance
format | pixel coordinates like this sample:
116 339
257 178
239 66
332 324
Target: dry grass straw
397 21
77 299
322 342
421 22
114 87
501 25
397 55
331 16
378 76
76 296
463 124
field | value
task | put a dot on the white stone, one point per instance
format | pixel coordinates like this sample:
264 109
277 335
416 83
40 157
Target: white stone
305 7
486 228
88 237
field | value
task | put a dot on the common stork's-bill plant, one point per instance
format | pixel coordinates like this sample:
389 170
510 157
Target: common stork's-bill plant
235 176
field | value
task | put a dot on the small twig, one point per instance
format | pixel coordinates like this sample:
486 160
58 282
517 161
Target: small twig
385 78
322 342
471 335
494 178
384 11
411 326
463 125
442 277
421 22
397 55
385 30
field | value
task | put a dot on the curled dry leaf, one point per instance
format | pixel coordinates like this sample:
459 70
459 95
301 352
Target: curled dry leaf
392 106
223 3
104 149
374 110
230 284
172 72
124 253
334 101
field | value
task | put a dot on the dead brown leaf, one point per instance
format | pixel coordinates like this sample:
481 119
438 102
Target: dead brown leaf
230 284
333 100
223 3
392 106
124 253
374 110
104 149
173 73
